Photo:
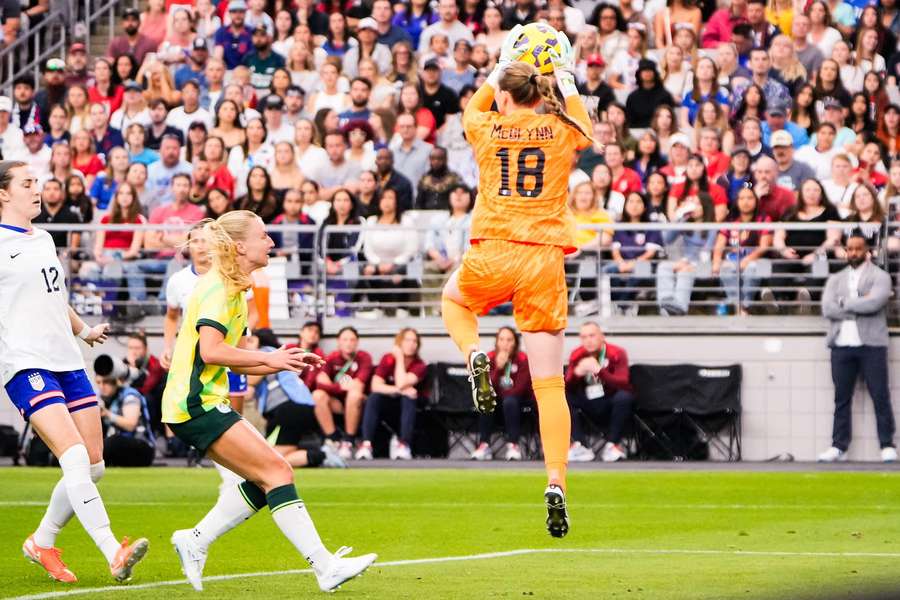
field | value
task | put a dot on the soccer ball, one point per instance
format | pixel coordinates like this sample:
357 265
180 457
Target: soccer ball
537 38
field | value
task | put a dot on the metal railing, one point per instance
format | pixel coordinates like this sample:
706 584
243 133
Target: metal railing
330 277
35 46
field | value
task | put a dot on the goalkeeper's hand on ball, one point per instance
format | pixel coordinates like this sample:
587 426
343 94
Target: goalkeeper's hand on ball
563 66
509 54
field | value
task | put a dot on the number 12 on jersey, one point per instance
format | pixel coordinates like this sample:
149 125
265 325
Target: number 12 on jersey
524 171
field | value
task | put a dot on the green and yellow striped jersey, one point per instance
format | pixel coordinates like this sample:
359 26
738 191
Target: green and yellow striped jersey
193 387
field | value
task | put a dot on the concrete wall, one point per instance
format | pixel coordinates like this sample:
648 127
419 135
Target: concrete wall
787 393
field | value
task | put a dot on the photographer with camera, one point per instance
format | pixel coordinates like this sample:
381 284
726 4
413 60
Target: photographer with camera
128 439
140 370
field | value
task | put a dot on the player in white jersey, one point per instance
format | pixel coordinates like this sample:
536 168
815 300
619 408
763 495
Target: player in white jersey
178 292
42 369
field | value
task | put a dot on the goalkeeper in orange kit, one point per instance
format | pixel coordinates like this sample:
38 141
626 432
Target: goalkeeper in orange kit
521 231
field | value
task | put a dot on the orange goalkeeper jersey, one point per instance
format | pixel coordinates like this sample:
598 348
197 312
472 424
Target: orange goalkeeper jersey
524 161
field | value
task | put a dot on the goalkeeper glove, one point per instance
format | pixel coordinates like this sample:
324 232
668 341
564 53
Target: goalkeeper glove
509 53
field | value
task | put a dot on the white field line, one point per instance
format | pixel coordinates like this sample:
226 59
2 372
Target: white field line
470 557
466 506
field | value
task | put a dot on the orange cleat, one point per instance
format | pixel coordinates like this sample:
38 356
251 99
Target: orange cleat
127 556
50 559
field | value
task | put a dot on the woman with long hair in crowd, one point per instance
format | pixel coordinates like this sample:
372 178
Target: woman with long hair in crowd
260 198
403 64
889 132
313 206
415 16
44 375
867 215
821 34
78 105
706 87
217 203
286 175
137 177
115 250
830 84
866 54
197 134
665 124
125 67
675 276
804 112
105 90
329 94
309 152
135 137
411 104
338 39
205 349
713 116
657 190
383 93
604 195
858 117
228 125
302 67
696 181
84 156
676 74
180 35
109 179
283 40
492 34
786 67
873 88
632 250
58 126
752 104
851 73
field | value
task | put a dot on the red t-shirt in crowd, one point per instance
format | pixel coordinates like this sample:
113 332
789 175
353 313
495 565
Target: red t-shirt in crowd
716 164
169 214
222 179
89 167
112 102
776 203
614 375
120 240
629 181
716 192
518 373
360 367
414 365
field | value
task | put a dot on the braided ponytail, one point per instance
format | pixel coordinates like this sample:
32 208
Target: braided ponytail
222 235
527 87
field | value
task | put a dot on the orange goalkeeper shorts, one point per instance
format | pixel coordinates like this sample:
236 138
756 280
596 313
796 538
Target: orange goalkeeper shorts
532 276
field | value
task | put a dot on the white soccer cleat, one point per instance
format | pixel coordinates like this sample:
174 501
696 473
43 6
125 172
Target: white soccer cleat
579 453
889 454
482 452
513 452
191 555
342 569
613 453
364 452
832 455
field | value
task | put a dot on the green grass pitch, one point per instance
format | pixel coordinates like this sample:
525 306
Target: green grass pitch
635 534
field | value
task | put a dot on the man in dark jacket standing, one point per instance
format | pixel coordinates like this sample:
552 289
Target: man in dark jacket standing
642 102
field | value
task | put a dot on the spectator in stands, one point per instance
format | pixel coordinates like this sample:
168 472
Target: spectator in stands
182 117
25 109
10 17
435 186
160 173
760 66
341 388
58 126
194 67
55 211
820 155
212 86
359 135
369 47
647 97
36 153
675 277
84 156
105 137
854 302
461 73
448 238
598 387
411 154
108 180
337 172
791 173
696 181
736 253
869 168
11 140
399 378
721 23
128 439
801 249
594 90
158 126
360 92
511 378
133 110
337 249
262 60
389 243
131 42
840 186
868 215
630 249
53 90
448 25
774 200
234 41
438 98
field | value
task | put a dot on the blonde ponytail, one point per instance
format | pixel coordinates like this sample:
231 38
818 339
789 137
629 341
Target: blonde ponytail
222 235
527 87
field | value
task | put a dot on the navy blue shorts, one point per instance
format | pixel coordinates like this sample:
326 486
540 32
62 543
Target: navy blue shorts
33 389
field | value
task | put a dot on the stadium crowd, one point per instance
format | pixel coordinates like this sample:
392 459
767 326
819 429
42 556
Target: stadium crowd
348 112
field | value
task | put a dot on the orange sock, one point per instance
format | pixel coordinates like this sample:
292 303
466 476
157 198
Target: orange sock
461 323
555 424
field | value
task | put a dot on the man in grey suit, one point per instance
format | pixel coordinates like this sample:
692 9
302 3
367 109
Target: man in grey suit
854 301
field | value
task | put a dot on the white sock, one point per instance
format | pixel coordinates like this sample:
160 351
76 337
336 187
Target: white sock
60 512
297 526
229 478
230 510
85 499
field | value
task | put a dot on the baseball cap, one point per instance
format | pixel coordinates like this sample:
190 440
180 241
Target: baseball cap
132 86
781 138
237 5
55 64
200 43
831 102
777 108
367 23
596 60
131 13
432 63
33 129
77 47
273 102
261 28
5 104
295 90
680 138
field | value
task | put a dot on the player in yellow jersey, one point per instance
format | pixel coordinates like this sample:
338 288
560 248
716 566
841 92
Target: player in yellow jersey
521 231
196 407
